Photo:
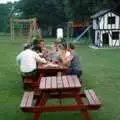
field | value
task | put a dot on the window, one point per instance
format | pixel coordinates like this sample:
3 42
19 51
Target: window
115 35
111 20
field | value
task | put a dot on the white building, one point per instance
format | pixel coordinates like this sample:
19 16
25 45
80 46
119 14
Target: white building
106 26
59 33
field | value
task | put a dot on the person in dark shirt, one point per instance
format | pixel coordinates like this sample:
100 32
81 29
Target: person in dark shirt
74 66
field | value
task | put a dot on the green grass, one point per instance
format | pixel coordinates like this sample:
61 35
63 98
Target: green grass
101 72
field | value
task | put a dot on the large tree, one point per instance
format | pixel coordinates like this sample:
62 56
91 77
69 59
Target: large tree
83 9
47 11
4 16
53 12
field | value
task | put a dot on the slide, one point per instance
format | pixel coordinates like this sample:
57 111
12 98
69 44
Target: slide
82 34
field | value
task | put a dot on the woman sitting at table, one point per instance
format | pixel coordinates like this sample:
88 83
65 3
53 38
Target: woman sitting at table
72 60
65 55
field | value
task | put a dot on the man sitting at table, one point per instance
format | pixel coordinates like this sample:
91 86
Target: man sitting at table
35 46
27 61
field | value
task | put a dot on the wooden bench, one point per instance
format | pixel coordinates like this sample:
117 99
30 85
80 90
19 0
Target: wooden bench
94 102
36 102
27 100
30 82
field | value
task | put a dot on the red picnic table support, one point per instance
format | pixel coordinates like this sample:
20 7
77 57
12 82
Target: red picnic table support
59 87
30 82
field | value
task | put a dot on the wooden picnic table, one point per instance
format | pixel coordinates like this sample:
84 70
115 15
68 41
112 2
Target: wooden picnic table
59 87
45 70
49 70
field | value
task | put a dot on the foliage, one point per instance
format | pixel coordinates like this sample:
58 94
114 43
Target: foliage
46 11
57 11
85 8
53 12
4 16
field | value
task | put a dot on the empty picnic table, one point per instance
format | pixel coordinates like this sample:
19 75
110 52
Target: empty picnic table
60 87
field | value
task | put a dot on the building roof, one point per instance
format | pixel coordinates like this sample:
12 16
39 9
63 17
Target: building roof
115 9
100 13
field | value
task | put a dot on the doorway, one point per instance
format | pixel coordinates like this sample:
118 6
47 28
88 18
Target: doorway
105 37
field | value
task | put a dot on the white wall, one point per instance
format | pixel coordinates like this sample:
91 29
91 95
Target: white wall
104 21
114 42
111 42
95 25
59 33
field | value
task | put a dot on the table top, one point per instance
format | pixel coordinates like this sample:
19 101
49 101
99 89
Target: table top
52 69
59 82
51 66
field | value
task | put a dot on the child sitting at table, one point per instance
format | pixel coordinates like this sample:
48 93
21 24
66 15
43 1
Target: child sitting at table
56 49
65 55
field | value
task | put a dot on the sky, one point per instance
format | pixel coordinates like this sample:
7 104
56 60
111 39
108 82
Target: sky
5 1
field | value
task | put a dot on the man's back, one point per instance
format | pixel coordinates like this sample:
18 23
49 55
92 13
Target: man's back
27 60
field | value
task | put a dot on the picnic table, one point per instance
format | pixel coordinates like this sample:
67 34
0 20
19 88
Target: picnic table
51 69
60 87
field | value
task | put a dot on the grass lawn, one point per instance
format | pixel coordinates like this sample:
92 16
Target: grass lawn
101 72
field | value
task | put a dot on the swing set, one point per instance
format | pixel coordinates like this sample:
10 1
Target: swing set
25 28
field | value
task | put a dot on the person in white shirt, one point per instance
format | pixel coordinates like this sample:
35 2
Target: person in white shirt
27 61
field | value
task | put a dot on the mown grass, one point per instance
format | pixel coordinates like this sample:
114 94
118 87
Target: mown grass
101 72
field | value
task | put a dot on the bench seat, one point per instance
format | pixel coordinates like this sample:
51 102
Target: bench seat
28 82
94 102
27 100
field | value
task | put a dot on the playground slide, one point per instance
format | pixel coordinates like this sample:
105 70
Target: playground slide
82 34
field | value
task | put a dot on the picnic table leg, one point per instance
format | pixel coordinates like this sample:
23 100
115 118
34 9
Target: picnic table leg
83 112
60 99
36 116
41 102
39 98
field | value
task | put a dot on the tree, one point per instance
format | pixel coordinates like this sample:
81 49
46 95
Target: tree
49 12
53 12
4 16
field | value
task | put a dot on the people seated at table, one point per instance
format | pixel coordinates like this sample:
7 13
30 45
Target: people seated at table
27 61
